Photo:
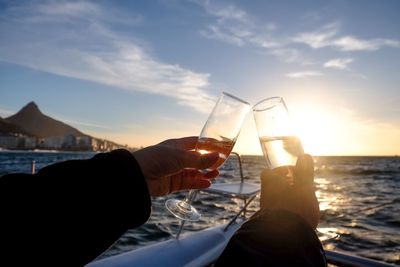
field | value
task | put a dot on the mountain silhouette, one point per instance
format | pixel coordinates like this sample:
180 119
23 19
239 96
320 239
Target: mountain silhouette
31 120
7 127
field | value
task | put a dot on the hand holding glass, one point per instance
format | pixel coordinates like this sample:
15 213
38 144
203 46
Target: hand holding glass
219 134
280 145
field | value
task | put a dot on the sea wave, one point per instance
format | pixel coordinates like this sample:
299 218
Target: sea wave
356 171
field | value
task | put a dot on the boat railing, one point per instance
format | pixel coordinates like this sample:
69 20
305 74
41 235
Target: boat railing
33 167
243 190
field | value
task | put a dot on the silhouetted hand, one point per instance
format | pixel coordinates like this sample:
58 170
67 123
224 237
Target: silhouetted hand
296 194
172 166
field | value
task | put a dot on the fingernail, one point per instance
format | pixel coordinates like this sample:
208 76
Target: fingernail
202 184
212 174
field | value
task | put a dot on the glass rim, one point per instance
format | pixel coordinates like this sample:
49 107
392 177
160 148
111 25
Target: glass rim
275 100
236 98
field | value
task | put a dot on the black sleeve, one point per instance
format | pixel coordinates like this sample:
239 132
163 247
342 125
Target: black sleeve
70 212
274 238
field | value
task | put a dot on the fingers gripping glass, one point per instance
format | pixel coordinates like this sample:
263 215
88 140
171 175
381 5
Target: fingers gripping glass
219 134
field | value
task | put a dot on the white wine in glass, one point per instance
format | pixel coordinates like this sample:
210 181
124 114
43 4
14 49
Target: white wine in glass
280 145
281 150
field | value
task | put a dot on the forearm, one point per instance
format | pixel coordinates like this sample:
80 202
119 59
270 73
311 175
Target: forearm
91 203
112 182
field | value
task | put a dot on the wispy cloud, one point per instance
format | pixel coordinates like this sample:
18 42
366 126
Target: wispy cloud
235 26
223 12
303 74
338 63
319 38
328 36
232 24
88 125
77 39
215 32
350 43
69 9
286 54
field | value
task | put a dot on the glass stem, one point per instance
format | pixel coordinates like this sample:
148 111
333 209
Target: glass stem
185 204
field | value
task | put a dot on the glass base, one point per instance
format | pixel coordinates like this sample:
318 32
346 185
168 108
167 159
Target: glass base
182 210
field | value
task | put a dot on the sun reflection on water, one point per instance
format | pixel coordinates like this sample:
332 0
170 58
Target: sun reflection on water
329 195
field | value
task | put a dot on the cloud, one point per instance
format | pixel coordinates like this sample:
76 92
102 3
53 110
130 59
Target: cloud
338 63
87 125
222 12
215 32
286 54
319 38
232 24
79 40
303 74
69 9
327 36
235 26
349 43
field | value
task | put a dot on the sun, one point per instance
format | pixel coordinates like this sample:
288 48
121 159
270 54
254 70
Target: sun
316 128
324 130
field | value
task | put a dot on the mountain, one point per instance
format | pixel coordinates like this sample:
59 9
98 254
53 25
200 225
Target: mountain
6 127
30 119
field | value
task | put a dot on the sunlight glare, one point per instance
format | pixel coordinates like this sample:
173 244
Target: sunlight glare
316 128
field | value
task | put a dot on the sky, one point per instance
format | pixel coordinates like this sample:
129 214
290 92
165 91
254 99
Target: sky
140 72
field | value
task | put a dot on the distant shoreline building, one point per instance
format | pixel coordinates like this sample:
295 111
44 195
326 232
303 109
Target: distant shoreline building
67 142
17 141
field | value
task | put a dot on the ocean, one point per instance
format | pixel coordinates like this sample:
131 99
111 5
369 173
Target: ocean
359 200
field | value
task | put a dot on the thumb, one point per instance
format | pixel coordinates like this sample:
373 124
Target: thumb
304 170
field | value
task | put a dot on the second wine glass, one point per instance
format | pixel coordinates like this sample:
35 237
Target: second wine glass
278 138
219 134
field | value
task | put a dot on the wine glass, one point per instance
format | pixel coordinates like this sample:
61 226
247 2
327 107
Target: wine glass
280 145
219 134
279 142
